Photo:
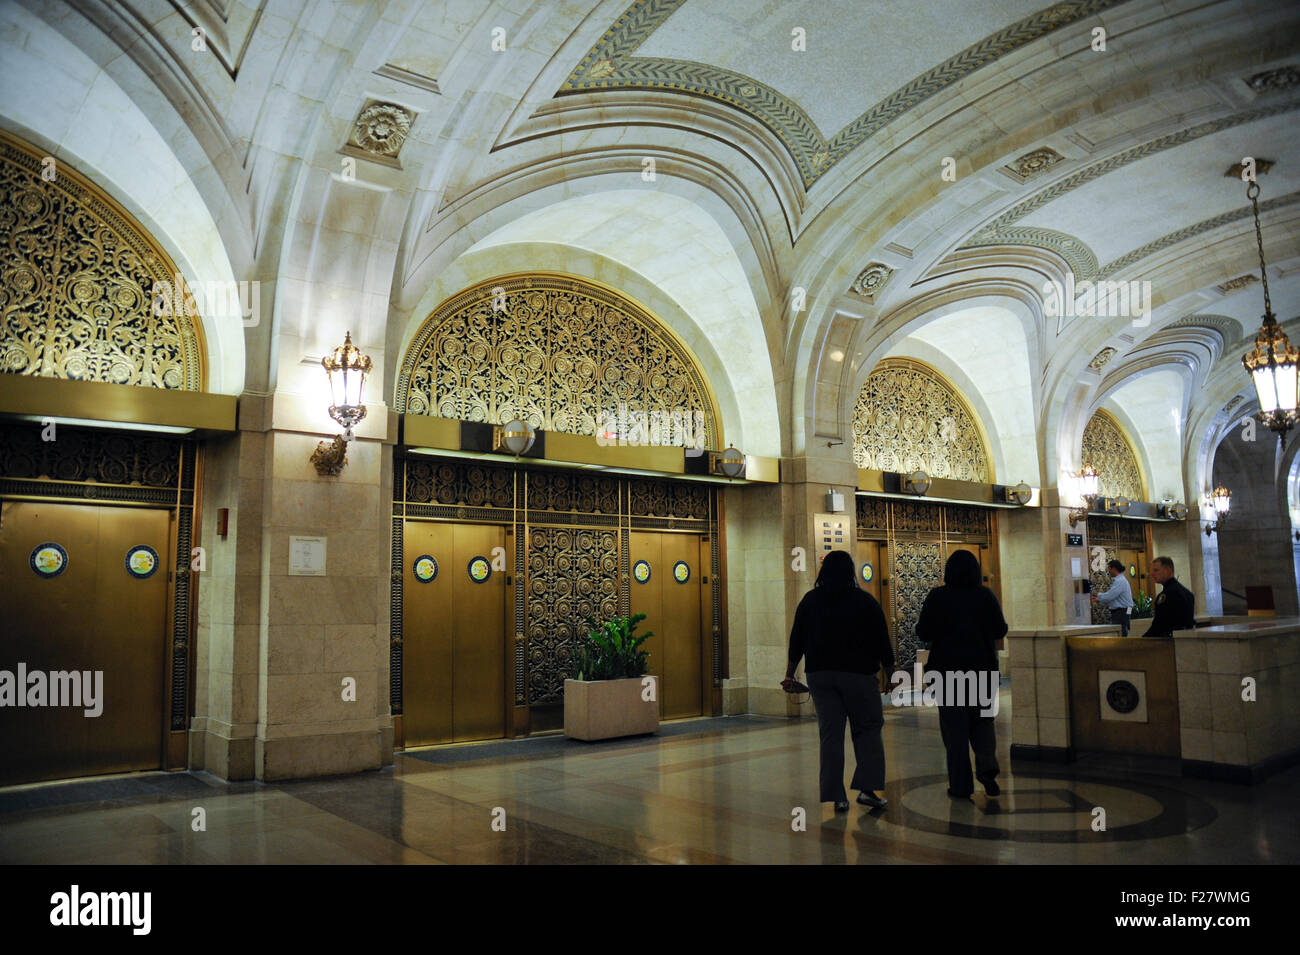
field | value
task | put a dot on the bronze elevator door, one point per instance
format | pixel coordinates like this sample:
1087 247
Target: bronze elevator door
92 616
453 635
672 609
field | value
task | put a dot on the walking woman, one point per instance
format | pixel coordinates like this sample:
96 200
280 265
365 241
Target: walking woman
964 626
842 632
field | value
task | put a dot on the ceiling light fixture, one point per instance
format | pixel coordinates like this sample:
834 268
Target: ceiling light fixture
1272 365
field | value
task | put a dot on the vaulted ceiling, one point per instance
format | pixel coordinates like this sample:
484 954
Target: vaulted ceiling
878 175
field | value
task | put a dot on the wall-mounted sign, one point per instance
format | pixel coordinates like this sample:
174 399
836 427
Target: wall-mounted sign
425 568
681 571
479 569
1073 540
868 573
49 559
141 561
1132 570
1123 695
641 571
306 556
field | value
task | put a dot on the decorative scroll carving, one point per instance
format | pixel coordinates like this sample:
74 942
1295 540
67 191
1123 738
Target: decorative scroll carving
1237 284
1107 448
650 498
918 568
105 457
563 355
907 417
77 299
873 514
1270 81
445 482
1034 163
967 521
917 516
572 589
1100 359
579 493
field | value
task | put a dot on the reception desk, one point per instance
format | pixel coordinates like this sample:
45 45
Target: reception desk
1223 700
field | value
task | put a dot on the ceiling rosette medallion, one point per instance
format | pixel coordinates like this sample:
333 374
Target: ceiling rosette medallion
1033 163
1102 357
379 131
872 280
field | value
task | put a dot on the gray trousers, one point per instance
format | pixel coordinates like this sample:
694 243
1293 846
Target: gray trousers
856 697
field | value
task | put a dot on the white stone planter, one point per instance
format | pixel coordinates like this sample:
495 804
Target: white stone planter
606 709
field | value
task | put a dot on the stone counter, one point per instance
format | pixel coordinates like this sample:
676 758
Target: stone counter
1193 683
1223 735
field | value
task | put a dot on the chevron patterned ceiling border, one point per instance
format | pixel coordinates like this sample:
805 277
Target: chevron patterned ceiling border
994 232
610 65
1083 262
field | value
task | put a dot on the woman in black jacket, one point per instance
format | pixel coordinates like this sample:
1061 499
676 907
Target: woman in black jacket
964 626
842 631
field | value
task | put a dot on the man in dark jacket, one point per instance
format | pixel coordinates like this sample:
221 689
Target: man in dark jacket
841 630
1175 607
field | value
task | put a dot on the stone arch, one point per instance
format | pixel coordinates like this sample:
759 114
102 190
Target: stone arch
1107 446
79 115
944 436
91 296
561 352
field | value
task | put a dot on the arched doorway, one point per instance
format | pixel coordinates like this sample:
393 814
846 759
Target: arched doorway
575 547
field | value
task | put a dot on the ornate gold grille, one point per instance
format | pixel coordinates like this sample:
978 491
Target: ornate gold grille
1107 448
563 354
79 275
907 417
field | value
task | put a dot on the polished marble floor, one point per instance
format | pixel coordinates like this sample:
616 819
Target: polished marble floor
708 791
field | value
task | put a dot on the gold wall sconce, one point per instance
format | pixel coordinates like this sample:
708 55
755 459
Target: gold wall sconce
347 369
1021 494
730 463
918 482
1172 511
1216 506
1087 485
515 438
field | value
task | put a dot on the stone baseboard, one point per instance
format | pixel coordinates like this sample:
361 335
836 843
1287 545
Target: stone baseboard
1042 754
223 757
1246 775
336 754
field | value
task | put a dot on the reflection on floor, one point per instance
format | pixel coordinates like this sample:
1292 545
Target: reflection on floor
706 791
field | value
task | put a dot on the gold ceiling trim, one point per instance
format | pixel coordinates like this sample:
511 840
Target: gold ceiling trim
900 423
579 349
1107 446
79 274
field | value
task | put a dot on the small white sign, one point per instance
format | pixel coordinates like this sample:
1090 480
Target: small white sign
1076 567
306 557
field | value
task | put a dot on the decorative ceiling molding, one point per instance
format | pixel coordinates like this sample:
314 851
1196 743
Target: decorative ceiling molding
379 131
1237 284
992 233
1191 231
1100 359
1261 166
1033 163
872 280
610 65
1075 251
1283 78
1227 327
399 75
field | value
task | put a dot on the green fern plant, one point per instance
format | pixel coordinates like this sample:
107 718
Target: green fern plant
1142 606
613 652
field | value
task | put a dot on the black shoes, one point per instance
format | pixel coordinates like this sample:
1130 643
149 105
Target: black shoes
842 806
872 800
991 788
956 795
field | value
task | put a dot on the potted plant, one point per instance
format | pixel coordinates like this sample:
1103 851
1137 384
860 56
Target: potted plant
610 693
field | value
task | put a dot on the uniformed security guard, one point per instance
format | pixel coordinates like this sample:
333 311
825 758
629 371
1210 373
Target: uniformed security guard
1175 607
